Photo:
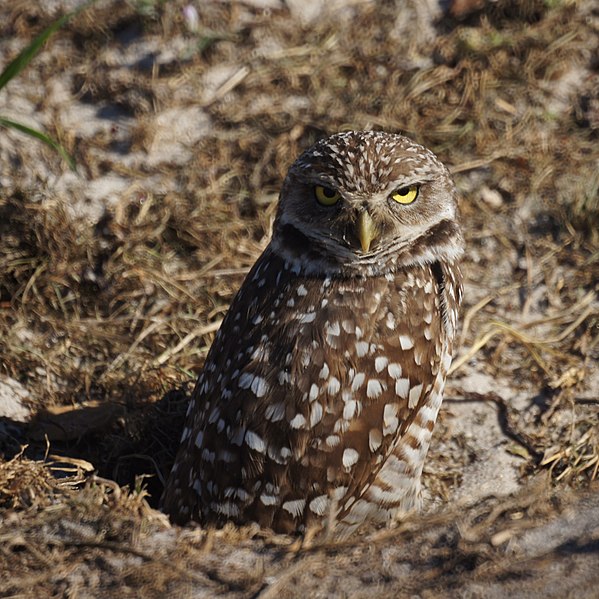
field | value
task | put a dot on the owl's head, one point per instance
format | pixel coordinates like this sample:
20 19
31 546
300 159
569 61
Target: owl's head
367 200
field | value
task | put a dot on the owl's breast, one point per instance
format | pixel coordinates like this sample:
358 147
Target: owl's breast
312 381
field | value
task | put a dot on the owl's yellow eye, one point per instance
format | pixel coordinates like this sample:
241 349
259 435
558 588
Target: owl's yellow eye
326 196
405 195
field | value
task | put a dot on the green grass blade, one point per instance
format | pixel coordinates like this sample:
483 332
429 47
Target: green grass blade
26 55
4 122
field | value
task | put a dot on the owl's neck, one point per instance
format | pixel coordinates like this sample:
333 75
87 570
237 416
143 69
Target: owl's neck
320 257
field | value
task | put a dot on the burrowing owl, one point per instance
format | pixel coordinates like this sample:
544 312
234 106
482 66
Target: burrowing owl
319 395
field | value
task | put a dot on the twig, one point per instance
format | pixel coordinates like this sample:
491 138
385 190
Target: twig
166 355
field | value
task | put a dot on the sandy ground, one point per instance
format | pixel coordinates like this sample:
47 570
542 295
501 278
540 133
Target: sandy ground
115 278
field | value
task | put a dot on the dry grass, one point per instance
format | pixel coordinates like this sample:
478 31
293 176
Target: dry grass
106 323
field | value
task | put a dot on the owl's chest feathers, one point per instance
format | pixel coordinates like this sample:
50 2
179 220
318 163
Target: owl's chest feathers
331 336
280 297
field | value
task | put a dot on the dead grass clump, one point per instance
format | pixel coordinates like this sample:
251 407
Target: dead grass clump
579 458
67 530
24 483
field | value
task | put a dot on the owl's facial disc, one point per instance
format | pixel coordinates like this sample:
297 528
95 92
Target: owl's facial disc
366 200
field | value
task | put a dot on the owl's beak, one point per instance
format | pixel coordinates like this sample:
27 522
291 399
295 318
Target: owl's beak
366 230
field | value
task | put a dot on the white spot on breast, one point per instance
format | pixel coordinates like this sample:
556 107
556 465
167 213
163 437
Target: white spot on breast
197 486
380 363
259 386
242 494
358 332
394 370
199 440
350 457
316 414
319 505
227 508
214 415
186 433
298 421
358 381
301 291
260 354
283 377
208 455
295 507
361 348
332 440
306 358
350 409
313 392
307 318
255 442
275 412
269 499
338 493
324 371
390 321
375 439
347 326
230 492
406 342
418 357
341 426
402 388
274 454
257 319
245 380
415 392
333 386
389 413
332 328
374 389
390 420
